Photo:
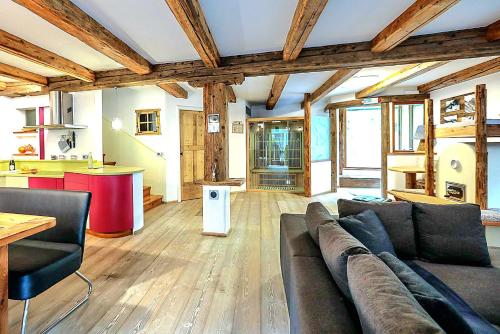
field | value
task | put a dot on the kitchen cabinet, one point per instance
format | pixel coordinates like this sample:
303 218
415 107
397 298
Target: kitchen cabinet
112 204
14 181
46 183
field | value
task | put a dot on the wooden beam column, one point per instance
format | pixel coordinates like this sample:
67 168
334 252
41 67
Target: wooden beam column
386 143
307 145
481 148
429 148
342 137
333 150
216 144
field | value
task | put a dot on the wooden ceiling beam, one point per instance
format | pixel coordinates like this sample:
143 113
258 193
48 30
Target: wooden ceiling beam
70 18
174 89
279 83
22 75
24 49
407 98
477 71
15 89
333 82
493 33
305 17
3 85
231 96
402 75
470 43
414 17
344 104
192 20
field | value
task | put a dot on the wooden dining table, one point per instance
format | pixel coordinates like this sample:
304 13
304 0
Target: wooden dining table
14 227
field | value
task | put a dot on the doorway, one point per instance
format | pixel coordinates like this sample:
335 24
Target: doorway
360 140
192 133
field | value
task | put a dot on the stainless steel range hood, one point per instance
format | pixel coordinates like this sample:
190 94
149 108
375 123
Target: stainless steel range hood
61 113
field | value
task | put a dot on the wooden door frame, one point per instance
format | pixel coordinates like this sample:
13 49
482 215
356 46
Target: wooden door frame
179 113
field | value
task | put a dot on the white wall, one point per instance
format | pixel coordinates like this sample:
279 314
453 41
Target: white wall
448 148
122 103
87 108
492 82
237 142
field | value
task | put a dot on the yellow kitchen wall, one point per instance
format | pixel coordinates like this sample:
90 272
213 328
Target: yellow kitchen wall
123 148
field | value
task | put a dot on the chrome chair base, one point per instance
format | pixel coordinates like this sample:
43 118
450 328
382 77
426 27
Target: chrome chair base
62 316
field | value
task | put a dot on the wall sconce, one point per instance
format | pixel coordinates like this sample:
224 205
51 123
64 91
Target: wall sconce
116 124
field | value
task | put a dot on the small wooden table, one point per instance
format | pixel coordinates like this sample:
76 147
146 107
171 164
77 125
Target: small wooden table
410 174
14 227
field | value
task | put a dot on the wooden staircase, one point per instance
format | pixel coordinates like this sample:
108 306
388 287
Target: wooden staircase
150 201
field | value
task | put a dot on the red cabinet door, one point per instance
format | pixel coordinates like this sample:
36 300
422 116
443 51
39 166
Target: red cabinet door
45 183
111 210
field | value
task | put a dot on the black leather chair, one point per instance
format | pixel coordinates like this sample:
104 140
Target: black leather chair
44 259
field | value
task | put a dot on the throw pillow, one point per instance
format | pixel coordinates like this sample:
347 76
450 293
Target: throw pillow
383 303
434 303
316 215
336 246
397 220
369 230
451 234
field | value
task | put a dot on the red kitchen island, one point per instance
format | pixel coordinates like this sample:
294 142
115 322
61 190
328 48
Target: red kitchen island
116 207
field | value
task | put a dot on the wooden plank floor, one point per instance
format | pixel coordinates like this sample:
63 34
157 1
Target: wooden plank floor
170 279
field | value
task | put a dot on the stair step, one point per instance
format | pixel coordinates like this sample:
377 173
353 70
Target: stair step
359 182
146 191
152 201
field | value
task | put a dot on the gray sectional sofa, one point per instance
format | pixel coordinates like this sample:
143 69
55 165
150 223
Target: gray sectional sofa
317 305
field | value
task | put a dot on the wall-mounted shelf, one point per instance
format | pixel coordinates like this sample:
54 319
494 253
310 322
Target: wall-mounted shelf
25 154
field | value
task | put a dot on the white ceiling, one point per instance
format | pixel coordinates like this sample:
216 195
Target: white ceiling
238 27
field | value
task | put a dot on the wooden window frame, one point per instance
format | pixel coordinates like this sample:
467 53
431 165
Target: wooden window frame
138 123
393 126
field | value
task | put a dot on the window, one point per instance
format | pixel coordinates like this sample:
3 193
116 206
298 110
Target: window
362 137
147 122
407 126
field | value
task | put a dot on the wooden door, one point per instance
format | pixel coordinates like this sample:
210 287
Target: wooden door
192 125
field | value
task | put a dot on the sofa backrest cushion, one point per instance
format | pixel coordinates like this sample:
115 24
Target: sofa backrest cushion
451 234
433 302
336 246
397 220
369 230
383 303
317 214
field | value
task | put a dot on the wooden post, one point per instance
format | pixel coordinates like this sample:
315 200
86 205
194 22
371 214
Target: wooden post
307 145
4 289
333 149
342 135
430 182
481 148
216 144
386 143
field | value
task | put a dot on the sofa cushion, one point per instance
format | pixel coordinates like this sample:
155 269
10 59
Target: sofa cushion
397 220
433 302
336 246
315 303
296 236
478 286
316 214
383 303
369 230
451 234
